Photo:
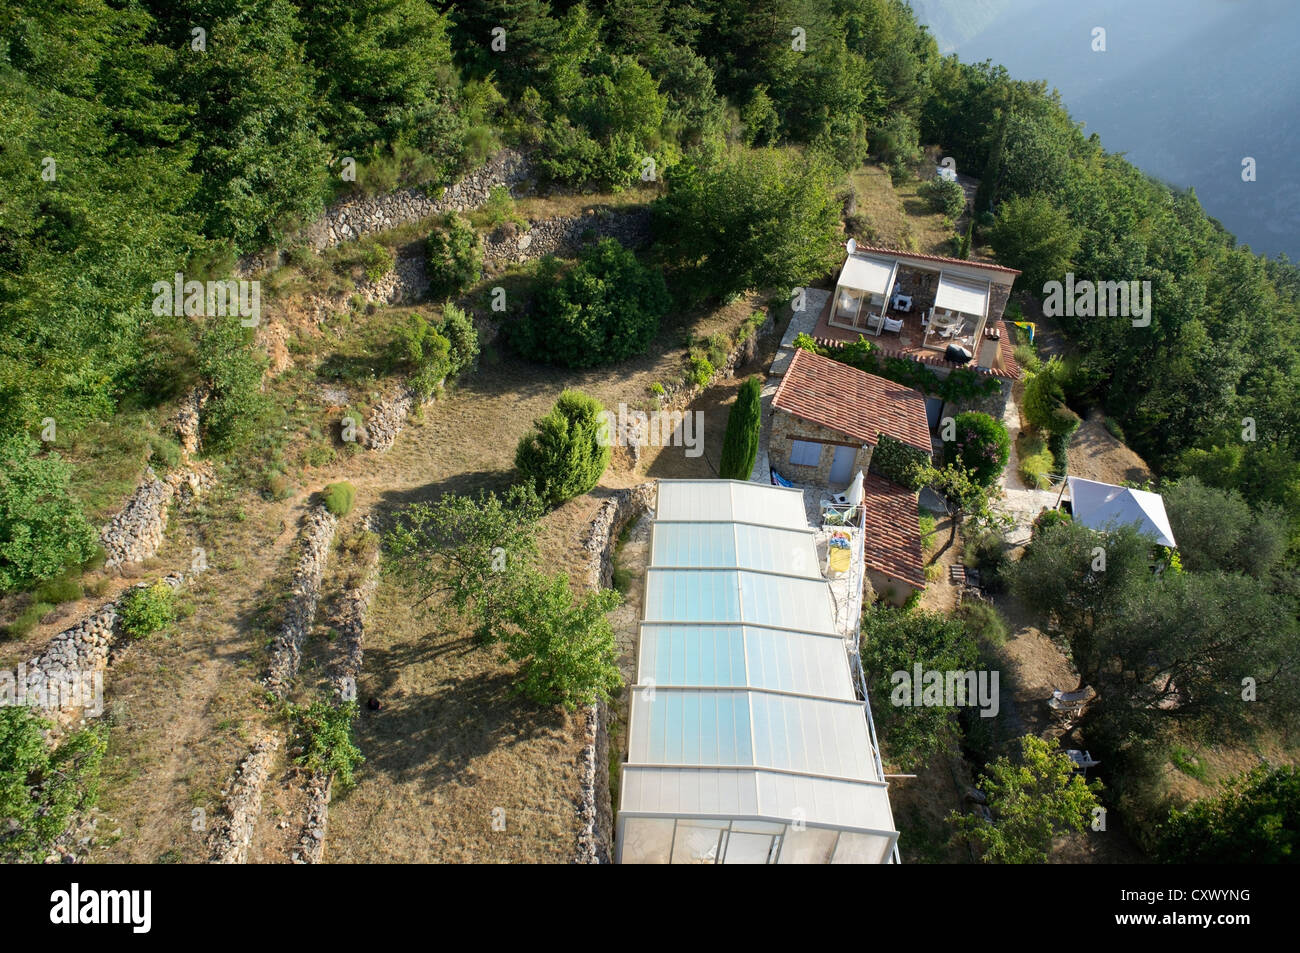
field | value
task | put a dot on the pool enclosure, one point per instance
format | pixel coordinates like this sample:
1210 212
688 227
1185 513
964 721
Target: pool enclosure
747 739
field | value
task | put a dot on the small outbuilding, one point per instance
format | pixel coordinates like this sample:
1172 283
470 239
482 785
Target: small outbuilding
827 417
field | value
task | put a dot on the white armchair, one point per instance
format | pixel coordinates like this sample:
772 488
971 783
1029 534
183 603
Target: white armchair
893 325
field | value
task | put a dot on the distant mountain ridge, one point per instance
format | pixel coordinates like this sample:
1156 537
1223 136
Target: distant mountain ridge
1186 88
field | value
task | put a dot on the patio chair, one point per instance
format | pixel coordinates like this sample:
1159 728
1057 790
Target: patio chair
892 325
1069 701
1083 760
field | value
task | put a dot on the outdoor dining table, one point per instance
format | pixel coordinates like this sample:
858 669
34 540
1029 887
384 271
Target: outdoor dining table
942 323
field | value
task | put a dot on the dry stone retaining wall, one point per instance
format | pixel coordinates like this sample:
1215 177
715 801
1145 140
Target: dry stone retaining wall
286 650
311 843
78 652
351 219
511 244
230 838
137 531
594 807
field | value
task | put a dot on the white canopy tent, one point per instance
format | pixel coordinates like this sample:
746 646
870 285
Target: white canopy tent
1103 506
747 742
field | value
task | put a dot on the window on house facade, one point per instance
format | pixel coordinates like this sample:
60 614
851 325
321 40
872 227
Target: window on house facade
804 453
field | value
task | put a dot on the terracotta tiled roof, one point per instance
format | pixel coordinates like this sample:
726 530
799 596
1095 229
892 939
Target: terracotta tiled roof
1010 369
852 402
1007 351
893 543
898 253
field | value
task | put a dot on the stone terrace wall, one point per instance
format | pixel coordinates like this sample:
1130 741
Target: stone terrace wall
510 243
594 807
231 837
353 218
286 650
81 650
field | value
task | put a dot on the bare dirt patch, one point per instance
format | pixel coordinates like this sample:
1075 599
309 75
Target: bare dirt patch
1096 454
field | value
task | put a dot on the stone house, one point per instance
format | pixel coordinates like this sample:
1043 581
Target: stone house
945 313
827 418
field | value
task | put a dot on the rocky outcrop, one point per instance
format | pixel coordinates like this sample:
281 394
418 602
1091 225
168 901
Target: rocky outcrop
286 649
510 243
230 838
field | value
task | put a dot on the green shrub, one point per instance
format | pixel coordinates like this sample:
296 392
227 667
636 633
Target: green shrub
740 443
96 559
423 352
324 733
42 526
376 260
986 551
981 445
568 450
929 525
1059 444
701 370
606 308
1115 430
984 622
28 619
229 362
1036 462
165 453
1254 818
1049 518
147 609
564 642
455 260
900 463
462 339
43 786
943 196
339 498
497 210
62 589
893 641
1044 402
1028 358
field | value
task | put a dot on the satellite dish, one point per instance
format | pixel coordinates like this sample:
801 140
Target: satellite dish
851 245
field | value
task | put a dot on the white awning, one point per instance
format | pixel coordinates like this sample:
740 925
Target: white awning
968 297
867 274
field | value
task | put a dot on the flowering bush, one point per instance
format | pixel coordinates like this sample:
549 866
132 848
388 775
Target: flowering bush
981 445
